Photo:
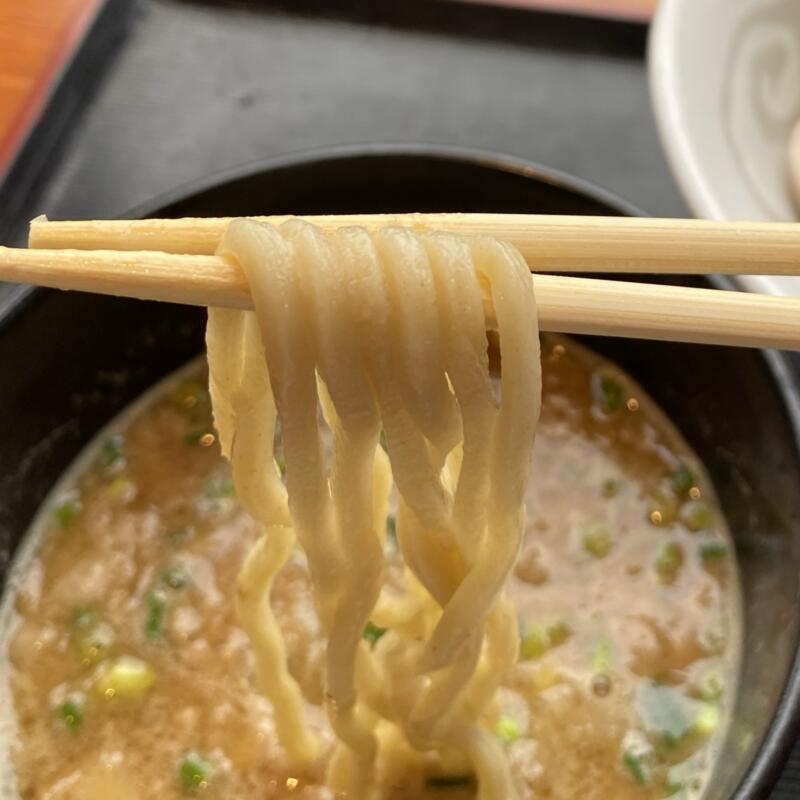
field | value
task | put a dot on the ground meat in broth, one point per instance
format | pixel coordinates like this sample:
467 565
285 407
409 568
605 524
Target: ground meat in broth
131 679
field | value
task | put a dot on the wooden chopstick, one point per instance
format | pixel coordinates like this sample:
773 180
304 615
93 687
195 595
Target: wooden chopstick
566 304
548 243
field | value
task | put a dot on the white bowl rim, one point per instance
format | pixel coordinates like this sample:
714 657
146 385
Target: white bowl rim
682 156
664 94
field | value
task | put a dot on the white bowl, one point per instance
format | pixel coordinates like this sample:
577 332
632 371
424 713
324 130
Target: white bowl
725 83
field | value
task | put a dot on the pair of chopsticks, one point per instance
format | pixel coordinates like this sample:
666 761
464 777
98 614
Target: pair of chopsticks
173 260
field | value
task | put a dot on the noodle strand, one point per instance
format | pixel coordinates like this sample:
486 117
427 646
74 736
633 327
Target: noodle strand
354 334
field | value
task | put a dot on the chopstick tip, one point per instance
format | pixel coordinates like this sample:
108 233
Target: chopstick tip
32 228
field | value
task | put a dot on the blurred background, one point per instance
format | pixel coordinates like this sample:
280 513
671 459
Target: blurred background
105 105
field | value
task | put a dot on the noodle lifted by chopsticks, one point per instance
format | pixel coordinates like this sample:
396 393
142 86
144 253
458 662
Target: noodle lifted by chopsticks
382 331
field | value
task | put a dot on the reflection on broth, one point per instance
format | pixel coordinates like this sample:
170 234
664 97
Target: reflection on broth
130 677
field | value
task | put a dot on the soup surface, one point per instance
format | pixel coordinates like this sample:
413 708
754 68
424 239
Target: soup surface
129 677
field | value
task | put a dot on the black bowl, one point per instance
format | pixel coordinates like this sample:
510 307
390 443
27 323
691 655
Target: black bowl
72 361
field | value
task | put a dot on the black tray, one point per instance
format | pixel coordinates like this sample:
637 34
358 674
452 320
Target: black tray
168 91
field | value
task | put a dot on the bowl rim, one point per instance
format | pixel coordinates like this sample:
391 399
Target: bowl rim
498 161
680 148
767 763
22 296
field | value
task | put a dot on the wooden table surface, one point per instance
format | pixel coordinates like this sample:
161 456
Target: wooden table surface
36 39
638 10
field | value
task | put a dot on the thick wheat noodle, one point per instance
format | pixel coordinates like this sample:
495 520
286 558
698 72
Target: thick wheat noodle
225 347
417 338
257 479
352 416
429 720
382 330
432 555
467 365
269 554
282 308
500 653
519 410
417 345
416 476
457 729
241 389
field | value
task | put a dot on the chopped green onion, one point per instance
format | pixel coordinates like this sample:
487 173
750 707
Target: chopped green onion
192 400
66 512
112 456
713 551
683 480
194 771
597 540
535 643
669 561
669 739
507 729
382 440
280 461
558 633
70 712
539 638
126 677
696 515
601 656
707 720
154 618
635 765
120 487
448 781
610 488
671 789
608 393
391 530
175 578
373 632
